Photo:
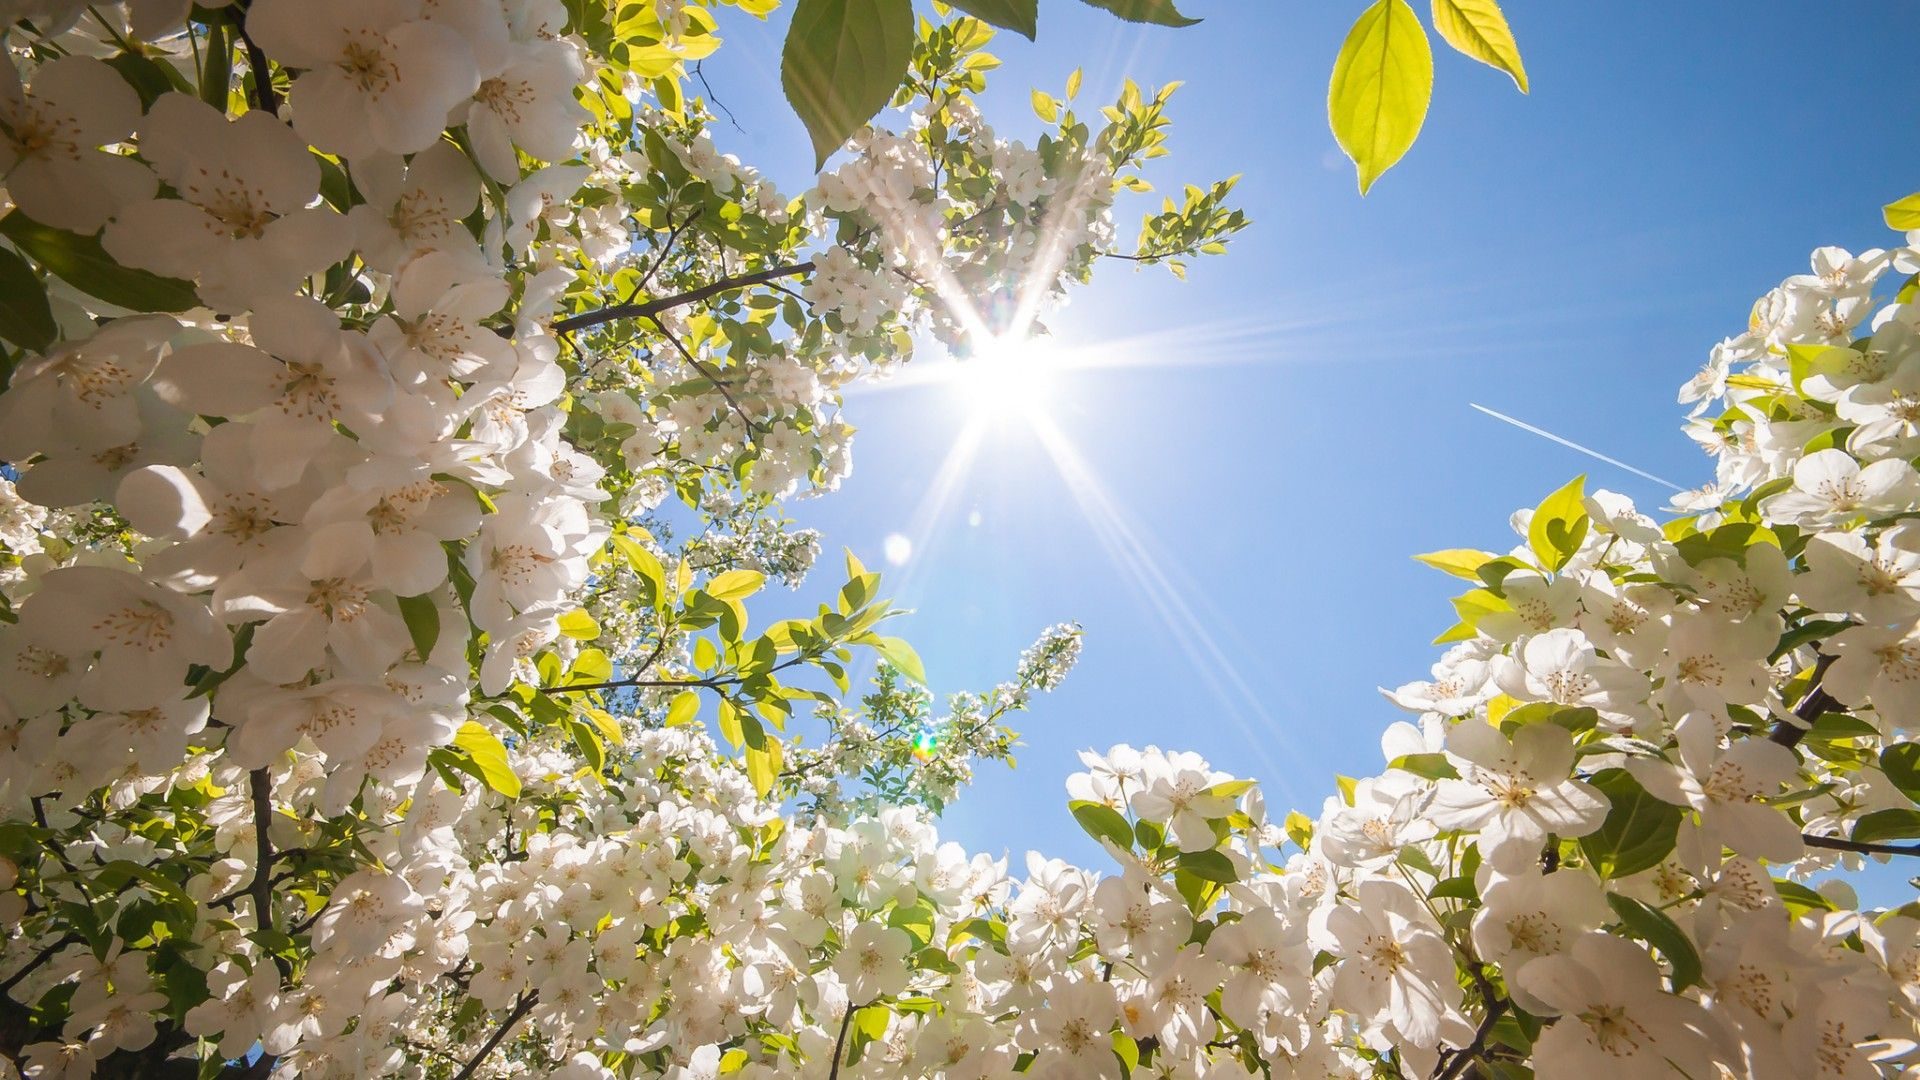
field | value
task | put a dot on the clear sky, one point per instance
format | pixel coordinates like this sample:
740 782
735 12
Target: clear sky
1295 423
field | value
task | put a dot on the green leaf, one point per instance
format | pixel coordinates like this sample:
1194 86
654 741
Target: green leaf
1426 766
1477 28
1559 524
842 61
1663 934
730 723
900 655
736 584
1903 214
916 919
490 755
1046 106
80 261
579 625
1901 763
1103 822
1158 12
423 622
764 764
1639 830
148 79
1896 824
1020 16
685 706
1460 562
25 318
1211 866
1382 82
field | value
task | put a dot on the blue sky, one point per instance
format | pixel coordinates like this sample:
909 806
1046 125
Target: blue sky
1303 427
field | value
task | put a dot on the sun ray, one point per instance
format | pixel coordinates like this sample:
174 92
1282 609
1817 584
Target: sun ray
1133 554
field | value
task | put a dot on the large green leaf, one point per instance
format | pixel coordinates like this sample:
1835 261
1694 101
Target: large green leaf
1903 214
1477 28
423 622
1020 16
82 263
1882 825
1656 929
1159 12
1382 83
842 61
1901 763
1103 822
1639 830
25 318
901 655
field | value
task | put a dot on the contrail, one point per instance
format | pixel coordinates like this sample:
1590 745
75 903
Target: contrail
1594 454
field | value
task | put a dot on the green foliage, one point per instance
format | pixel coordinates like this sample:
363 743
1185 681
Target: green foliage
81 262
1479 29
25 318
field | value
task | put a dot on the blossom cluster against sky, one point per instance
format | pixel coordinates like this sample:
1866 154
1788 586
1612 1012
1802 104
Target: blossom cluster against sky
1278 434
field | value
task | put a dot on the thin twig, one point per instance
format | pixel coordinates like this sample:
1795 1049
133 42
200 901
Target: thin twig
845 1023
712 376
520 1008
1454 1063
39 958
660 256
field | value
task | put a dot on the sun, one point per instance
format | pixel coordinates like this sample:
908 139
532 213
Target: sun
1006 377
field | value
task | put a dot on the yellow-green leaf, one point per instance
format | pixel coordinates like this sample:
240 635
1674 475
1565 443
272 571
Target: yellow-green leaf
1460 562
763 766
1477 28
736 584
1046 106
490 754
1559 524
1382 83
1903 214
901 656
578 624
685 706
730 723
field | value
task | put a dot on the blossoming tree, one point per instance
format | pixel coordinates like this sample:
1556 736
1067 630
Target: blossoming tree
371 706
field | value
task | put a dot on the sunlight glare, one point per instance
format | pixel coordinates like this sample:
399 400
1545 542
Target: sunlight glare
1006 376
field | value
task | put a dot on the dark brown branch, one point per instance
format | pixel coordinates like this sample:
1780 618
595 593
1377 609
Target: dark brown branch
667 303
1816 702
260 782
711 375
1835 843
39 958
660 256
263 90
520 1009
845 1023
1453 1064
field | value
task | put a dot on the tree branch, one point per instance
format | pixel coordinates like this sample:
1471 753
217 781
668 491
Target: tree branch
1816 702
845 1023
260 781
667 303
712 376
520 1009
39 958
1455 1066
1835 843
